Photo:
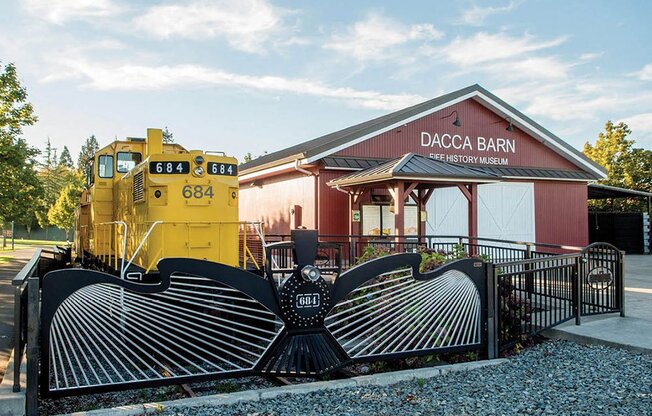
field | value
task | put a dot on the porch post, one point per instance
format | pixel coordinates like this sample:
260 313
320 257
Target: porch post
473 210
399 213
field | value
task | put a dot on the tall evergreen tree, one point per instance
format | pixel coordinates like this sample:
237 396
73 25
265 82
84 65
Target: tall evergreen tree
87 152
65 159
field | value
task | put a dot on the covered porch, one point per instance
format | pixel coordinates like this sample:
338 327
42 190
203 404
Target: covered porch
407 182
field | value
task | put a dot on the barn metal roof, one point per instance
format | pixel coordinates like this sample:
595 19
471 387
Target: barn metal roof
599 191
412 166
350 163
326 145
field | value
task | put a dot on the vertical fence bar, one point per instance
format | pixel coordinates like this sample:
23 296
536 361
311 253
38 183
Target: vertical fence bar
33 325
493 331
621 284
577 290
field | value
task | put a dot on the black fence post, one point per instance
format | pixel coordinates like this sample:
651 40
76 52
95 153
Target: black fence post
493 330
621 284
18 339
577 290
33 327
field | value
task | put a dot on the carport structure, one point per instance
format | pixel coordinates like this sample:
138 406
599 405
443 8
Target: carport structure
415 177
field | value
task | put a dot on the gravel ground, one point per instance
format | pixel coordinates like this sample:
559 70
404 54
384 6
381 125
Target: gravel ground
555 377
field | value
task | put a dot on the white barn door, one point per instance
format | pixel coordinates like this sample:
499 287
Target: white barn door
447 213
506 211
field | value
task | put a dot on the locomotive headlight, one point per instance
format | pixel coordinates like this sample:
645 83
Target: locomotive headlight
199 171
199 160
310 273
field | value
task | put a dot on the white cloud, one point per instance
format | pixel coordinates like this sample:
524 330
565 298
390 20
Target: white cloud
574 99
484 47
645 74
640 123
542 68
61 11
476 15
246 24
105 77
591 56
374 37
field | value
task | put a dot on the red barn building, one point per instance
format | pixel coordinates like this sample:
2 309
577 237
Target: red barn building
465 163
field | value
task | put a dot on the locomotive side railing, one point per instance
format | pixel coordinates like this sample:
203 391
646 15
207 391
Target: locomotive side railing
251 241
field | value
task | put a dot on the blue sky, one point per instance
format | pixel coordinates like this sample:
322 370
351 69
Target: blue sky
260 75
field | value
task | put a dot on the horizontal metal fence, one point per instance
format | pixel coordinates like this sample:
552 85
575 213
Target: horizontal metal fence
491 249
537 294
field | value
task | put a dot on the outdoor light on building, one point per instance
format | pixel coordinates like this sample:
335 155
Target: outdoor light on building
509 126
457 121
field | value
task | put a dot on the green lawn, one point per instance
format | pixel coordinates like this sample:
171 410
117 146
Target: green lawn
20 243
38 242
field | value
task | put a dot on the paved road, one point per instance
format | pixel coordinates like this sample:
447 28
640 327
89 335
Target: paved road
7 272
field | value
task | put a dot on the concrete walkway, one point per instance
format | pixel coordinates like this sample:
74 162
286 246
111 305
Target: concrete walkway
8 271
634 331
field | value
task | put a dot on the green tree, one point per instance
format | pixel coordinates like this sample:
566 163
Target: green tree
49 158
627 166
65 159
19 185
168 137
248 157
88 150
62 213
15 111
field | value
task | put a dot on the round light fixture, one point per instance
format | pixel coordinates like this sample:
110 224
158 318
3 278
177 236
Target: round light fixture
199 160
199 171
310 273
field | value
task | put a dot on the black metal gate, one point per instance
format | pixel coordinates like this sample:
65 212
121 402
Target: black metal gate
206 320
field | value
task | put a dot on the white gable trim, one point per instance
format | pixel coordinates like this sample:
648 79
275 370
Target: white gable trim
496 106
388 128
541 134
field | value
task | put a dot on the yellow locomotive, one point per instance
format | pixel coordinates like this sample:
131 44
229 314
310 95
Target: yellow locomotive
147 200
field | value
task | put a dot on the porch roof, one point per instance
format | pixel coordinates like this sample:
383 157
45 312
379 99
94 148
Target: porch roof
414 167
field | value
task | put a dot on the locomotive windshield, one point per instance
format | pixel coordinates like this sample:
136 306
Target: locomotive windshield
127 161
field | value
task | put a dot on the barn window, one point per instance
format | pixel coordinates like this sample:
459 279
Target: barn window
379 220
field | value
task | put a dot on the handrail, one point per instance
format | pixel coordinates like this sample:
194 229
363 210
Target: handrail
154 224
431 236
538 260
28 269
124 243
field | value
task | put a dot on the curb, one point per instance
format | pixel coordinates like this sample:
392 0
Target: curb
12 404
382 379
588 340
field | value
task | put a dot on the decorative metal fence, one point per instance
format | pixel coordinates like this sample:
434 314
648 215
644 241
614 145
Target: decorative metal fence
93 331
538 294
206 320
496 250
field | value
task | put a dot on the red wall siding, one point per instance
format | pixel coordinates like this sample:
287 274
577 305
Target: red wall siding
476 121
561 213
272 201
333 205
